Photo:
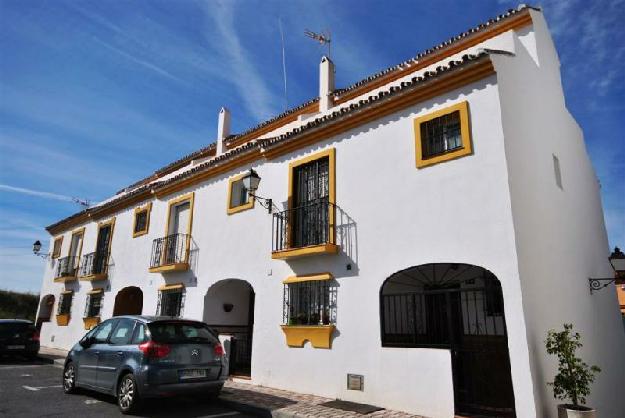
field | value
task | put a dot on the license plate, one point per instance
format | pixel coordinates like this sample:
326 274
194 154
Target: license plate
192 374
16 347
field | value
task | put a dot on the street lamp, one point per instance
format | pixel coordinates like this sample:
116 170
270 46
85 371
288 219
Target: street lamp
37 249
250 182
617 260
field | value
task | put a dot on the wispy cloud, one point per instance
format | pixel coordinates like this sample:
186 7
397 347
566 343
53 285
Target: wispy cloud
36 193
252 88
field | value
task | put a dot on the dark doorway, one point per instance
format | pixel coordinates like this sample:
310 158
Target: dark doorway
311 193
128 301
45 310
458 307
229 310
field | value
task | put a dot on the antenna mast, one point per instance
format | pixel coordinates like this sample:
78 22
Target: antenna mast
286 100
322 38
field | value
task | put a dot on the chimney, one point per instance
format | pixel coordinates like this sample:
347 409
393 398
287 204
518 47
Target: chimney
223 129
326 83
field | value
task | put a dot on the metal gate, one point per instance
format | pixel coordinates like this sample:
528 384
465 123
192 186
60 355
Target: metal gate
464 315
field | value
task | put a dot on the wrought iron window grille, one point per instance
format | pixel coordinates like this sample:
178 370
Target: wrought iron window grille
171 302
65 303
309 303
93 305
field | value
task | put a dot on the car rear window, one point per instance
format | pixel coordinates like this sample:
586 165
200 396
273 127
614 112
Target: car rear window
8 329
176 332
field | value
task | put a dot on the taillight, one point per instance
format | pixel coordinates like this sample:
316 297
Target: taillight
35 336
154 350
219 350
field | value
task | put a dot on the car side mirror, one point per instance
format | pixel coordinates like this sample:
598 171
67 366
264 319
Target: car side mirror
86 342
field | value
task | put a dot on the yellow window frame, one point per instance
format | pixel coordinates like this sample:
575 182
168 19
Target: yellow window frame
56 250
190 197
236 209
148 209
331 154
465 134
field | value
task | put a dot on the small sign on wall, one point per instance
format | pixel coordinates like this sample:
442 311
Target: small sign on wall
355 382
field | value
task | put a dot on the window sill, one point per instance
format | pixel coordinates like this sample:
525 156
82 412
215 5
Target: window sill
169 268
320 336
241 208
446 156
91 321
139 234
62 320
292 253
64 279
94 277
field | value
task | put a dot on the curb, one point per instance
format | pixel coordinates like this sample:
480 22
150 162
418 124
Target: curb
248 408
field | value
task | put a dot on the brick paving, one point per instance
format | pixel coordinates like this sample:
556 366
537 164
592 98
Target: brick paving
284 404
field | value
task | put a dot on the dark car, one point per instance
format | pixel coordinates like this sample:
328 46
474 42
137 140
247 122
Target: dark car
18 336
138 357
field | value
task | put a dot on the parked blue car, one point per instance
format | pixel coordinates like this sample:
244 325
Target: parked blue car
138 357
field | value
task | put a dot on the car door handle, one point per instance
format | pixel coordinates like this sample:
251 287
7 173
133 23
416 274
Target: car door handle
120 353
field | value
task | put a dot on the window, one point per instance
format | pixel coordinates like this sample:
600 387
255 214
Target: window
171 300
104 331
181 332
94 303
142 220
309 300
238 197
65 303
442 135
56 249
557 172
123 332
139 337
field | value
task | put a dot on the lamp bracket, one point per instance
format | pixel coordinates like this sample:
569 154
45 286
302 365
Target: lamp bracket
265 202
599 283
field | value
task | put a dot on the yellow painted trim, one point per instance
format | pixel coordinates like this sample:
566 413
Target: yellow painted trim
308 278
171 287
305 251
94 277
320 336
465 134
190 197
62 320
147 208
169 267
331 154
56 252
91 321
95 291
67 292
231 210
64 279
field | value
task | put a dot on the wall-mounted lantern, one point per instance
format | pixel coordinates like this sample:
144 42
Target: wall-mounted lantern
251 181
37 250
617 260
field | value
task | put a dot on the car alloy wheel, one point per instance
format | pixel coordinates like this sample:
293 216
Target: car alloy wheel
126 394
69 378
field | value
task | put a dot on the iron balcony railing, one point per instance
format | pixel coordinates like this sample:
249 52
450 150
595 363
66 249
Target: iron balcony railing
95 263
302 226
172 249
66 267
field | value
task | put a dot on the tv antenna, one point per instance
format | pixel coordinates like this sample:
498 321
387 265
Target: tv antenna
82 202
322 38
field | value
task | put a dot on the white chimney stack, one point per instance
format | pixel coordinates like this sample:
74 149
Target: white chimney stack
326 83
223 129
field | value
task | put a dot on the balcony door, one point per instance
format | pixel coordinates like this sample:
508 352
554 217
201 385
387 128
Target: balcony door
176 241
311 196
103 247
74 249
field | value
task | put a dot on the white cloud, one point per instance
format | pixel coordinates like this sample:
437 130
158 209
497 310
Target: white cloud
36 193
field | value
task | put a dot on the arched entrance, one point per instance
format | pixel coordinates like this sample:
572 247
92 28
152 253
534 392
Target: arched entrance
229 309
128 301
45 310
458 307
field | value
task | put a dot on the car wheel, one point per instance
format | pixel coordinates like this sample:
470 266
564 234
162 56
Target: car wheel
127 395
69 378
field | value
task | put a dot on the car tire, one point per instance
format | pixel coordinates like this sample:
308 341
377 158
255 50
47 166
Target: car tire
128 399
69 378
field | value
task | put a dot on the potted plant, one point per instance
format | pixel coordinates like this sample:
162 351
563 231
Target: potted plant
574 376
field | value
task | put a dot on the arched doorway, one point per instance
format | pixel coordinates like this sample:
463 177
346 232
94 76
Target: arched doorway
45 310
229 309
128 301
458 307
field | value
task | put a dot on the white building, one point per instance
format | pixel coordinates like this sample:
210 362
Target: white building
433 222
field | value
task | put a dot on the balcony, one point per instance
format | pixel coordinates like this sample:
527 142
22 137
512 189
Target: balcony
304 231
94 266
66 269
170 253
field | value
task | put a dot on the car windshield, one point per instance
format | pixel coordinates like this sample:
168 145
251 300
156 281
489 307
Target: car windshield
176 332
8 329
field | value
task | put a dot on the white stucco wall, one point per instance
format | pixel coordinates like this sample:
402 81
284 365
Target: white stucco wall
560 233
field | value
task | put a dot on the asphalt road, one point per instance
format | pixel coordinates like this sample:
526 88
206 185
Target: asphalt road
32 388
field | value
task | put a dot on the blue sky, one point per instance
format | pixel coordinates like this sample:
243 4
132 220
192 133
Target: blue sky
95 95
